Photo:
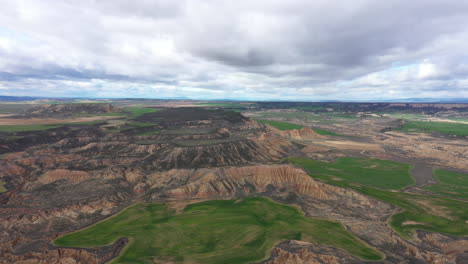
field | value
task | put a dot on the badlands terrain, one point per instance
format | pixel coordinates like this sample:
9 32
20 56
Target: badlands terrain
159 181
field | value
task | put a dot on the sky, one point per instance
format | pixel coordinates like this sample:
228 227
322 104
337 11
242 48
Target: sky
297 50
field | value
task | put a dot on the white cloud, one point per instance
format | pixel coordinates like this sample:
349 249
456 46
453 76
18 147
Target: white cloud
298 50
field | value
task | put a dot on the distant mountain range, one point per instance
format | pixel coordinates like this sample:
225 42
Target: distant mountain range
18 98
402 100
428 100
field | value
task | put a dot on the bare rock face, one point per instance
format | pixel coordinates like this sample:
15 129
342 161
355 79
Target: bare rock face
298 252
230 182
302 134
301 257
63 180
61 174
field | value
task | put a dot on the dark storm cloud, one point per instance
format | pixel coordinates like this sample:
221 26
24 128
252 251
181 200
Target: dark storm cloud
236 49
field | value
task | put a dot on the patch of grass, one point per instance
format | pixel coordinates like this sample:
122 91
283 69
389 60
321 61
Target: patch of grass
139 111
280 125
327 133
441 127
21 128
423 212
141 124
218 231
452 184
430 213
372 172
2 187
150 133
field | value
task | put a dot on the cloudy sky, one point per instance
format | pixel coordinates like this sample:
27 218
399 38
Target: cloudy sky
252 49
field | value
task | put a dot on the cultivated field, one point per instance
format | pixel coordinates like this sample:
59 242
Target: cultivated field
423 212
218 231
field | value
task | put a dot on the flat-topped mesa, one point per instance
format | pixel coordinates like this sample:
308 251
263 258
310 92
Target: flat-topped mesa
236 181
54 110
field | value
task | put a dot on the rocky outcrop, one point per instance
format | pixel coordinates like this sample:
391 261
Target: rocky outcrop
303 256
58 256
298 252
62 174
235 181
303 134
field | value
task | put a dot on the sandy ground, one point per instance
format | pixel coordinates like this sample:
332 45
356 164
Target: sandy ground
351 145
43 121
435 119
314 148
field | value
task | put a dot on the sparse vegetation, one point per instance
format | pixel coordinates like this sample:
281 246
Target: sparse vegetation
2 187
139 111
217 231
20 128
450 183
141 124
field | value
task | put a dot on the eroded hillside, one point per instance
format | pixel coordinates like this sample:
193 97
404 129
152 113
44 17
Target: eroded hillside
65 178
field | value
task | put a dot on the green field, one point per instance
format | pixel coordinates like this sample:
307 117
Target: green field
139 111
327 133
450 183
155 132
2 187
218 231
141 124
441 127
280 125
20 128
372 172
423 212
